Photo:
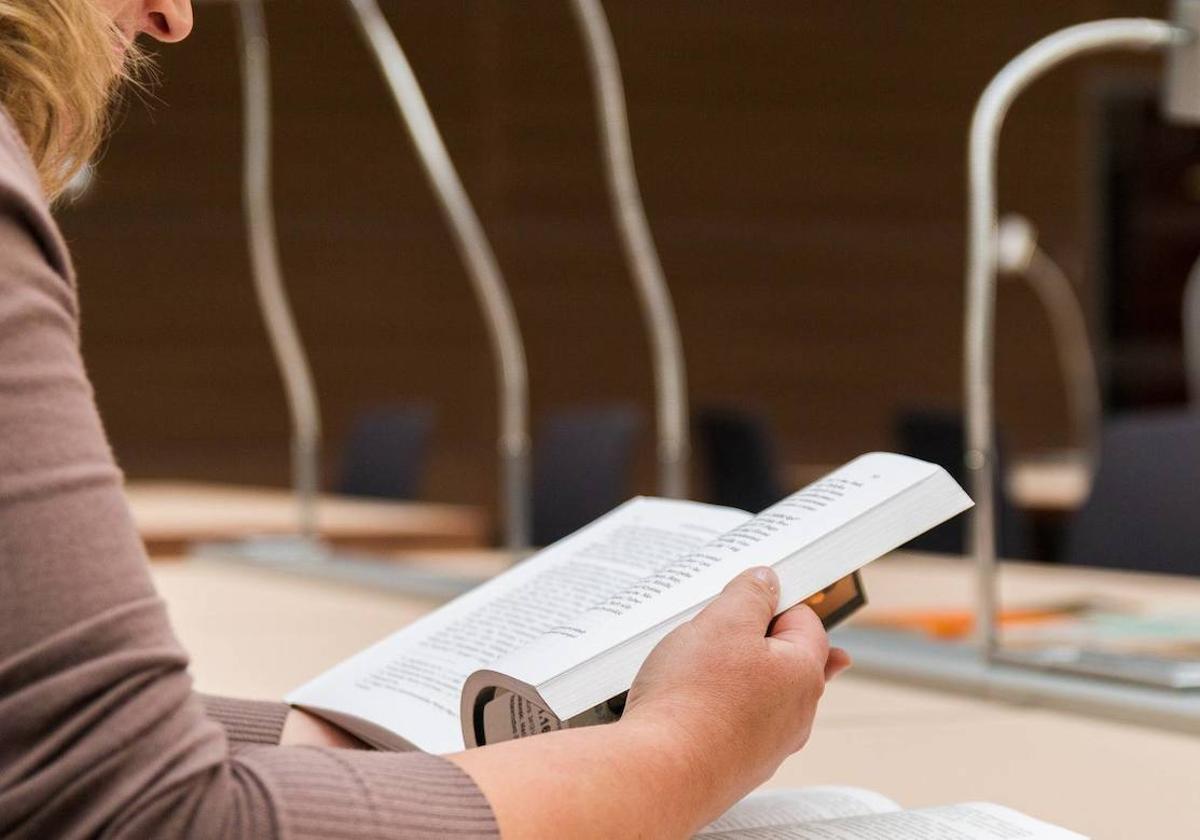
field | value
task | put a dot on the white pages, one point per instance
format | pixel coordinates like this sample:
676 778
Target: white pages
406 688
570 627
812 538
843 813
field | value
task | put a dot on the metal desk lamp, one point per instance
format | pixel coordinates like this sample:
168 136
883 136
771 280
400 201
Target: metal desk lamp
658 313
481 265
1181 102
306 553
303 409
1126 690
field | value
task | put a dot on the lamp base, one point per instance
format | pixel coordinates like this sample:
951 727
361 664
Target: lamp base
1051 679
1137 669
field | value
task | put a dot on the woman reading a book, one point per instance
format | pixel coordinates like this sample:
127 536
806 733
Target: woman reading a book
102 734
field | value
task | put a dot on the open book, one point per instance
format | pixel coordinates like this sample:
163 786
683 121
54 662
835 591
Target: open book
557 640
843 813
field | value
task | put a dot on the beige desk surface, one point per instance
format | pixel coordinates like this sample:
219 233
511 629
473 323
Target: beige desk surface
172 514
1103 779
1052 482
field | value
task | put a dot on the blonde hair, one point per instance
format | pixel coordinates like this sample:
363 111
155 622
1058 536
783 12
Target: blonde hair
59 69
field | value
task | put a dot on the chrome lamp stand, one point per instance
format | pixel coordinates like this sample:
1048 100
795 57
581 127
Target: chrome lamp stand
305 552
480 262
1063 679
654 297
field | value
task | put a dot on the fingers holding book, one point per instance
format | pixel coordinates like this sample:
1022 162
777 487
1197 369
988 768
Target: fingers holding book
737 683
800 624
839 660
753 598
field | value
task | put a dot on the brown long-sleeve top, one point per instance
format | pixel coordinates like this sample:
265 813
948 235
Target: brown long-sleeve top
101 734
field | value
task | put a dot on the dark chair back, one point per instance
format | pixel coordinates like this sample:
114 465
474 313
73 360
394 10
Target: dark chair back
739 458
1144 509
939 437
581 467
386 451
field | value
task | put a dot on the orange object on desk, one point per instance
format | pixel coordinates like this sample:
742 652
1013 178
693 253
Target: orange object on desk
958 624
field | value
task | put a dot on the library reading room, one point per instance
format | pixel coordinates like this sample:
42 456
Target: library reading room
600 419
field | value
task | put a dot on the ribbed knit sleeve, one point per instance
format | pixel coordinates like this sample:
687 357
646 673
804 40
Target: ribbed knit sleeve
101 733
410 795
246 721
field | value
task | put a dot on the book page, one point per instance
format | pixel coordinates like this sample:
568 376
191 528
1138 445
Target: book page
773 808
509 716
410 682
971 821
780 531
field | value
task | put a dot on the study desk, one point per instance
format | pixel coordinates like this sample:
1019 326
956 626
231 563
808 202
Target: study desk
171 515
1111 781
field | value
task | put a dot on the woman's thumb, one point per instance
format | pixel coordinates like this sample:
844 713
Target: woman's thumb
750 598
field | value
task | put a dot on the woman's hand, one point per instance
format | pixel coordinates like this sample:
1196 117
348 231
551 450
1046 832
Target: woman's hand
734 692
717 705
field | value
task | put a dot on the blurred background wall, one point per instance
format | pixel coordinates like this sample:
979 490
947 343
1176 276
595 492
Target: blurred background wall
802 165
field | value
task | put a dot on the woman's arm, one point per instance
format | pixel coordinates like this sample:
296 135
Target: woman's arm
101 732
261 722
720 703
271 723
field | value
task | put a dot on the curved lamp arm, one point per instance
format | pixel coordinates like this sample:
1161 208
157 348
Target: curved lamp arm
1132 33
1019 255
303 409
480 261
670 372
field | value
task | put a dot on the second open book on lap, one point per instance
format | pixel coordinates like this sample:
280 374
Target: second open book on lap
846 813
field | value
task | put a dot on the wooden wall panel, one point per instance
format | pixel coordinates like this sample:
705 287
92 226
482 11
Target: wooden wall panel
802 164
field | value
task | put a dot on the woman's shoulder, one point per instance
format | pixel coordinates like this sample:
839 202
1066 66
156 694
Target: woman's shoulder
16 165
21 195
